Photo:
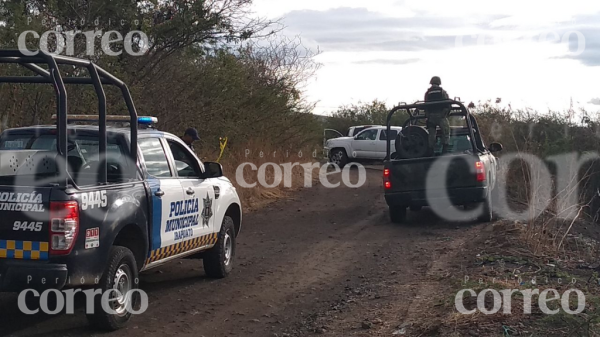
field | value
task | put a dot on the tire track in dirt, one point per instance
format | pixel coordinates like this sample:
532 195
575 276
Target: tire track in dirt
326 257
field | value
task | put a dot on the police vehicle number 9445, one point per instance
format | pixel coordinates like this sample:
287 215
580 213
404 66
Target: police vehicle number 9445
102 236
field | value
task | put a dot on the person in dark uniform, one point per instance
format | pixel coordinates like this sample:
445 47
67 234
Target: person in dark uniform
190 136
437 115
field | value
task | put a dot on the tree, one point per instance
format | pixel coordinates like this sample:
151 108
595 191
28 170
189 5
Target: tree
372 113
208 64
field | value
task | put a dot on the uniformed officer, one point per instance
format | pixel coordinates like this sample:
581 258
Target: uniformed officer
190 136
437 114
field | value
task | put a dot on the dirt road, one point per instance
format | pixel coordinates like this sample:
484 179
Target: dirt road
326 262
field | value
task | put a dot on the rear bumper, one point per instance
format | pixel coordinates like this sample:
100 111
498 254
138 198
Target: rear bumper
457 196
19 275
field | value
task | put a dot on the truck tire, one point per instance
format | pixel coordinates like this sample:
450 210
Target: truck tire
397 214
412 142
339 157
218 261
487 214
121 273
392 156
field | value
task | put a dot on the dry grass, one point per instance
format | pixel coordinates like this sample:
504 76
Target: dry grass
552 212
505 261
258 154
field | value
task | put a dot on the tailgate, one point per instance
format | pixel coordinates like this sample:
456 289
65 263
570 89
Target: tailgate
408 175
24 221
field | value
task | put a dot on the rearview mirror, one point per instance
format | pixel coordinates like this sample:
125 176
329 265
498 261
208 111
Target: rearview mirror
213 170
495 147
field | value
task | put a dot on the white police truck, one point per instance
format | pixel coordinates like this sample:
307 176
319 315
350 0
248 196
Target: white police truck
94 205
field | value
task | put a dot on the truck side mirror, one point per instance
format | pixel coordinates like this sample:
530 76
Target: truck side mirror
213 170
495 147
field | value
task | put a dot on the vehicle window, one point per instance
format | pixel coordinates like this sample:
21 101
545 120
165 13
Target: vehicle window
393 133
83 146
359 130
458 144
185 162
368 135
82 156
157 164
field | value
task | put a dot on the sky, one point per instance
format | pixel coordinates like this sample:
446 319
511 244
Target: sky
531 54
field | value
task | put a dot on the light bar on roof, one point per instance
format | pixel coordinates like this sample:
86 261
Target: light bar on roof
147 120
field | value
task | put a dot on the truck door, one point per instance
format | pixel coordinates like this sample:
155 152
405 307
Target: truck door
167 194
199 193
365 144
381 149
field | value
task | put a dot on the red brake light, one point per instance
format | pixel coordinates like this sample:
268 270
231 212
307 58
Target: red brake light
480 171
386 179
64 226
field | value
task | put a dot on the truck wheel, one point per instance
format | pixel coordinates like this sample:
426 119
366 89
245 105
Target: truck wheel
121 274
487 213
339 157
218 261
393 156
412 142
397 214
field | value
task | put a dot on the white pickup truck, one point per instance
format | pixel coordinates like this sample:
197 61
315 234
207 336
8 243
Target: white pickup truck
369 144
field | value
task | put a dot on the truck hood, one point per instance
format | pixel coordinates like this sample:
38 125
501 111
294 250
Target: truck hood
342 139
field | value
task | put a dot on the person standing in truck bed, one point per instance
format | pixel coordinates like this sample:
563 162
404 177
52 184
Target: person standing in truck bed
437 114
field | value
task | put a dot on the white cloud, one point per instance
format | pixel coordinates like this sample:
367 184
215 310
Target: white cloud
390 49
594 101
278 8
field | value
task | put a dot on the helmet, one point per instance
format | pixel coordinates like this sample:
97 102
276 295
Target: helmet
435 80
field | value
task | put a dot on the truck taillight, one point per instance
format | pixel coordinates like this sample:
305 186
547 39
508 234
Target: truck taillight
480 171
64 226
386 179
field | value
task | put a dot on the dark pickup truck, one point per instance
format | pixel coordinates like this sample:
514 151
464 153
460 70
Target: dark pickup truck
463 176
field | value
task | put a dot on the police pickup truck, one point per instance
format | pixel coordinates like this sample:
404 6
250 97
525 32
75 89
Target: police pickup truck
464 176
86 206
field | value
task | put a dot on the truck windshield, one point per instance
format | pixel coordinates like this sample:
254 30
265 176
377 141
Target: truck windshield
356 130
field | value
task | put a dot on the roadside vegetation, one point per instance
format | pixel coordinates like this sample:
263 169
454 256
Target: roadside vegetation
362 113
212 65
559 241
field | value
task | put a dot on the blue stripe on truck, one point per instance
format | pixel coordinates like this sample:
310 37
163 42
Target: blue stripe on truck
156 213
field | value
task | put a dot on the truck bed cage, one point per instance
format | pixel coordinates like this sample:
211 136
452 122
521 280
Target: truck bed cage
457 108
97 77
